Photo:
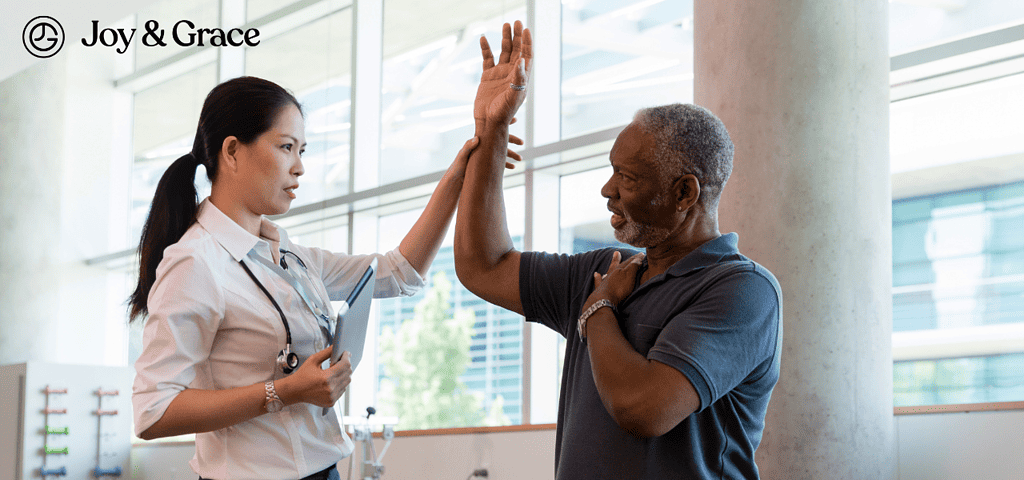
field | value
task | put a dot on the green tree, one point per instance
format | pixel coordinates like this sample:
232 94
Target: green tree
423 361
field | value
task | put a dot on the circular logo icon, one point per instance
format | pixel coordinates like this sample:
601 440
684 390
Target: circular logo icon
43 36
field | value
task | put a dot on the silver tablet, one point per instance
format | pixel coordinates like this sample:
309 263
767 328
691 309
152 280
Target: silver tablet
353 317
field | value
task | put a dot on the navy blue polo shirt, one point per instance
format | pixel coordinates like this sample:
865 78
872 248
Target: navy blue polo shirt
715 316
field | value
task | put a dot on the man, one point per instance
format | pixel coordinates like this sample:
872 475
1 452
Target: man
671 355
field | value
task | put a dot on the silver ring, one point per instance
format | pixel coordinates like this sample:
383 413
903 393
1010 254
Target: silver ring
517 87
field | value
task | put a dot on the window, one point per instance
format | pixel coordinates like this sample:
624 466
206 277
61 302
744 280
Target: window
430 74
446 358
958 296
585 224
320 78
618 57
916 25
958 203
165 126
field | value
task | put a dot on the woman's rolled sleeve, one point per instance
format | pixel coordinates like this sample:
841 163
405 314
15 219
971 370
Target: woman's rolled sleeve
395 275
184 305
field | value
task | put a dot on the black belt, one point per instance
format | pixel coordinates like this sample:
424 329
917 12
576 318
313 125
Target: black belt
321 475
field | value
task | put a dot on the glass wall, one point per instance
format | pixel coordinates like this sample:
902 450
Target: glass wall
916 24
321 79
448 358
958 296
165 117
958 187
620 56
430 73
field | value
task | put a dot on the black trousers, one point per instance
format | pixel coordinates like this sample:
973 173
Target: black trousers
321 475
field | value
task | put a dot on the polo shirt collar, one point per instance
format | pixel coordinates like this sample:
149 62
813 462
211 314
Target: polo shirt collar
710 253
235 239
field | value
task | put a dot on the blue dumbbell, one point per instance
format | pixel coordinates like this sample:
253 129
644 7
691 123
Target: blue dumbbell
107 472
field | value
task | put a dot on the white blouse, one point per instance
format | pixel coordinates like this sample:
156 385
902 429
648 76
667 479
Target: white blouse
210 327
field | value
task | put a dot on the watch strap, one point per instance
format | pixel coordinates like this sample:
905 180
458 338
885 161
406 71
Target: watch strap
273 402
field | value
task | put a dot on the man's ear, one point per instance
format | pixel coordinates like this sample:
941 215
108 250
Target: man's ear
687 190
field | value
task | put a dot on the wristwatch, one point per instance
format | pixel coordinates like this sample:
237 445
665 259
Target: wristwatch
581 324
274 403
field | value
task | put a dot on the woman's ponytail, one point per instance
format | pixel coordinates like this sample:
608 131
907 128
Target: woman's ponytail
173 211
242 107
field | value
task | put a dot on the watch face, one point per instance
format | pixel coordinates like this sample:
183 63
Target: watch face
274 405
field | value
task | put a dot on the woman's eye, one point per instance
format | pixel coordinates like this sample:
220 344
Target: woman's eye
287 146
302 151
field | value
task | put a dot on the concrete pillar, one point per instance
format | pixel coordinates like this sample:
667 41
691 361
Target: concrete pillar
31 155
802 86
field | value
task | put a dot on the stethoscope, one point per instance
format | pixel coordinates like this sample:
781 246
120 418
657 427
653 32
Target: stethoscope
287 359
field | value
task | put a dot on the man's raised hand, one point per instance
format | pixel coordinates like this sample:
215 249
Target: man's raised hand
503 85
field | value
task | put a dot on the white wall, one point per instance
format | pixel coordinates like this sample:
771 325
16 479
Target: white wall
981 445
64 166
946 446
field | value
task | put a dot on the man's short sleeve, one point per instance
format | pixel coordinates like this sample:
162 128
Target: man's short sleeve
553 287
726 336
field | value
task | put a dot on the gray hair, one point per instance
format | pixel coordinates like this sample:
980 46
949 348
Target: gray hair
689 139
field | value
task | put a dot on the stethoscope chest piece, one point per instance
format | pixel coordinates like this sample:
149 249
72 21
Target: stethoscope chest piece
287 360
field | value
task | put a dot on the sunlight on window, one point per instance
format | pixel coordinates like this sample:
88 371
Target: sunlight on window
446 357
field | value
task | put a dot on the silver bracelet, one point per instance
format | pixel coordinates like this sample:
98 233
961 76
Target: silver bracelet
581 324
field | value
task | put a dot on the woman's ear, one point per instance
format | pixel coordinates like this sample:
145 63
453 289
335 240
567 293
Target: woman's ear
228 152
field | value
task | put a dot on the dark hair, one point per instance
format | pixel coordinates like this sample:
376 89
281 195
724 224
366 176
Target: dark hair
689 139
243 107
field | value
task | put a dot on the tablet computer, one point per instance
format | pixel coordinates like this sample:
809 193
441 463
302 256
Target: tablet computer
353 317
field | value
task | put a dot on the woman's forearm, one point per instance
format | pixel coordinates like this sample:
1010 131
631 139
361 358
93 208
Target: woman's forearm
196 410
421 244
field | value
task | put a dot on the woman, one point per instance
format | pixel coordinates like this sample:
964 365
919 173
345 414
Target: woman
232 349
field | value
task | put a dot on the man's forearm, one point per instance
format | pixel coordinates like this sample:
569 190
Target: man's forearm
481 230
646 398
618 369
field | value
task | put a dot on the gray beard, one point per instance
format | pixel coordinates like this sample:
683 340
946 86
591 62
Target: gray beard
641 235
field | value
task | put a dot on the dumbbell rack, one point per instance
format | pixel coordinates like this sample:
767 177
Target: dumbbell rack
49 430
65 422
98 471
